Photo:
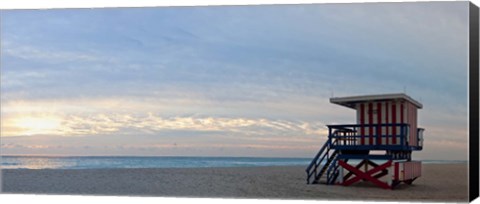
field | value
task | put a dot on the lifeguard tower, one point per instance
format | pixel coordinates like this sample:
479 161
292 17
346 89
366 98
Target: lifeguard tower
378 148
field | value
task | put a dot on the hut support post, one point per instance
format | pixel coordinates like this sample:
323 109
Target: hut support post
340 175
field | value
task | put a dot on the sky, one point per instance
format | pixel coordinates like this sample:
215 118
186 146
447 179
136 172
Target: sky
225 80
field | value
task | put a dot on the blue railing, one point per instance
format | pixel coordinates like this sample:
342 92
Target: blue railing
313 167
371 136
324 158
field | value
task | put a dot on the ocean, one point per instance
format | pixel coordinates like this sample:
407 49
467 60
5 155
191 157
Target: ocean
109 162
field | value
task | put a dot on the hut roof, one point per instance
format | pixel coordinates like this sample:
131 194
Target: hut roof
350 101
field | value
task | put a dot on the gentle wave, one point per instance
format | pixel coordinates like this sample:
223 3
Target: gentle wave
37 162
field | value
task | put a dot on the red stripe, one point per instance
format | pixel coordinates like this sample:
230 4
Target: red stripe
406 171
410 116
415 170
412 166
414 126
410 169
394 120
401 112
410 121
412 141
396 171
401 115
362 122
386 121
370 122
410 173
419 168
379 121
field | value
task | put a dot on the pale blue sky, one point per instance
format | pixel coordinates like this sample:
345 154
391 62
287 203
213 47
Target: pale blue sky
228 80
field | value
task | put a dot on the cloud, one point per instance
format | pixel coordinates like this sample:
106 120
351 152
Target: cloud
101 124
234 74
34 53
235 53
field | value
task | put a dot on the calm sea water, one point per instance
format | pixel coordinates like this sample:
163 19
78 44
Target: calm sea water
49 162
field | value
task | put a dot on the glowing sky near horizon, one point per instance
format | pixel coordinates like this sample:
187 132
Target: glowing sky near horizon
225 81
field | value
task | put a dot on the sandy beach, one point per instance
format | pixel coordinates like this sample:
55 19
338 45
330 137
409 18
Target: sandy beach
440 182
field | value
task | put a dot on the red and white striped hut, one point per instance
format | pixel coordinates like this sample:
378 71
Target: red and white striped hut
377 148
385 109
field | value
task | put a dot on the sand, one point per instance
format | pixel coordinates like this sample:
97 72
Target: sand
440 182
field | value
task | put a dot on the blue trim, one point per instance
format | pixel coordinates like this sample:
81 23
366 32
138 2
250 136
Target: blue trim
375 147
367 156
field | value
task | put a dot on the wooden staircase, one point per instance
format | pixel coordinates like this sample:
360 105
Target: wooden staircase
323 162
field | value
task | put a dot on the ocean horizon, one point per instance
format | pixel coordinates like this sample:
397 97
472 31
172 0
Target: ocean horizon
115 162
